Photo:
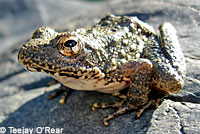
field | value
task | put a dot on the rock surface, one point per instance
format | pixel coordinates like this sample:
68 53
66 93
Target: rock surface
23 95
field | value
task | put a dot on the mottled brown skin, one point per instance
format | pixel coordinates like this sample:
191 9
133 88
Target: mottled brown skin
117 54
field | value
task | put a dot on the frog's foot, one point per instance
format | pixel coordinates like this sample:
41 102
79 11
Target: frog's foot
62 90
119 112
117 105
105 105
156 98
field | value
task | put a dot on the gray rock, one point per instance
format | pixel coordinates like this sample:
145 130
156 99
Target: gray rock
176 118
23 95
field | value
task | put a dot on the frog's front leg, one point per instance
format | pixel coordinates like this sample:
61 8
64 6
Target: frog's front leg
168 60
117 105
64 91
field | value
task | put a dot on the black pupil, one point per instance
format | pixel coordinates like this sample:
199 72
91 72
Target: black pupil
70 43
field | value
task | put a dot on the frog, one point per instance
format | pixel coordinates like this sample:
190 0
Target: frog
119 55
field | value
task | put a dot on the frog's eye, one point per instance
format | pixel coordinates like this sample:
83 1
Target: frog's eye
69 46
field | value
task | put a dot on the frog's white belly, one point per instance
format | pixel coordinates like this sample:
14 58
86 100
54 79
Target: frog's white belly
91 84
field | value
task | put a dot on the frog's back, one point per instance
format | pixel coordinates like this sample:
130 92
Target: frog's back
117 39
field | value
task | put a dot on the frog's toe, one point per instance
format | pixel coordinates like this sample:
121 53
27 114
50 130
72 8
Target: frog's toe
65 92
105 105
102 106
64 97
115 114
119 105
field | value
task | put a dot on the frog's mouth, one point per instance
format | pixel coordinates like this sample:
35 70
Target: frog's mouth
68 72
32 69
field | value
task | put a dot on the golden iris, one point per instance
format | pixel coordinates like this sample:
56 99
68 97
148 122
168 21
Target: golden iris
69 46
